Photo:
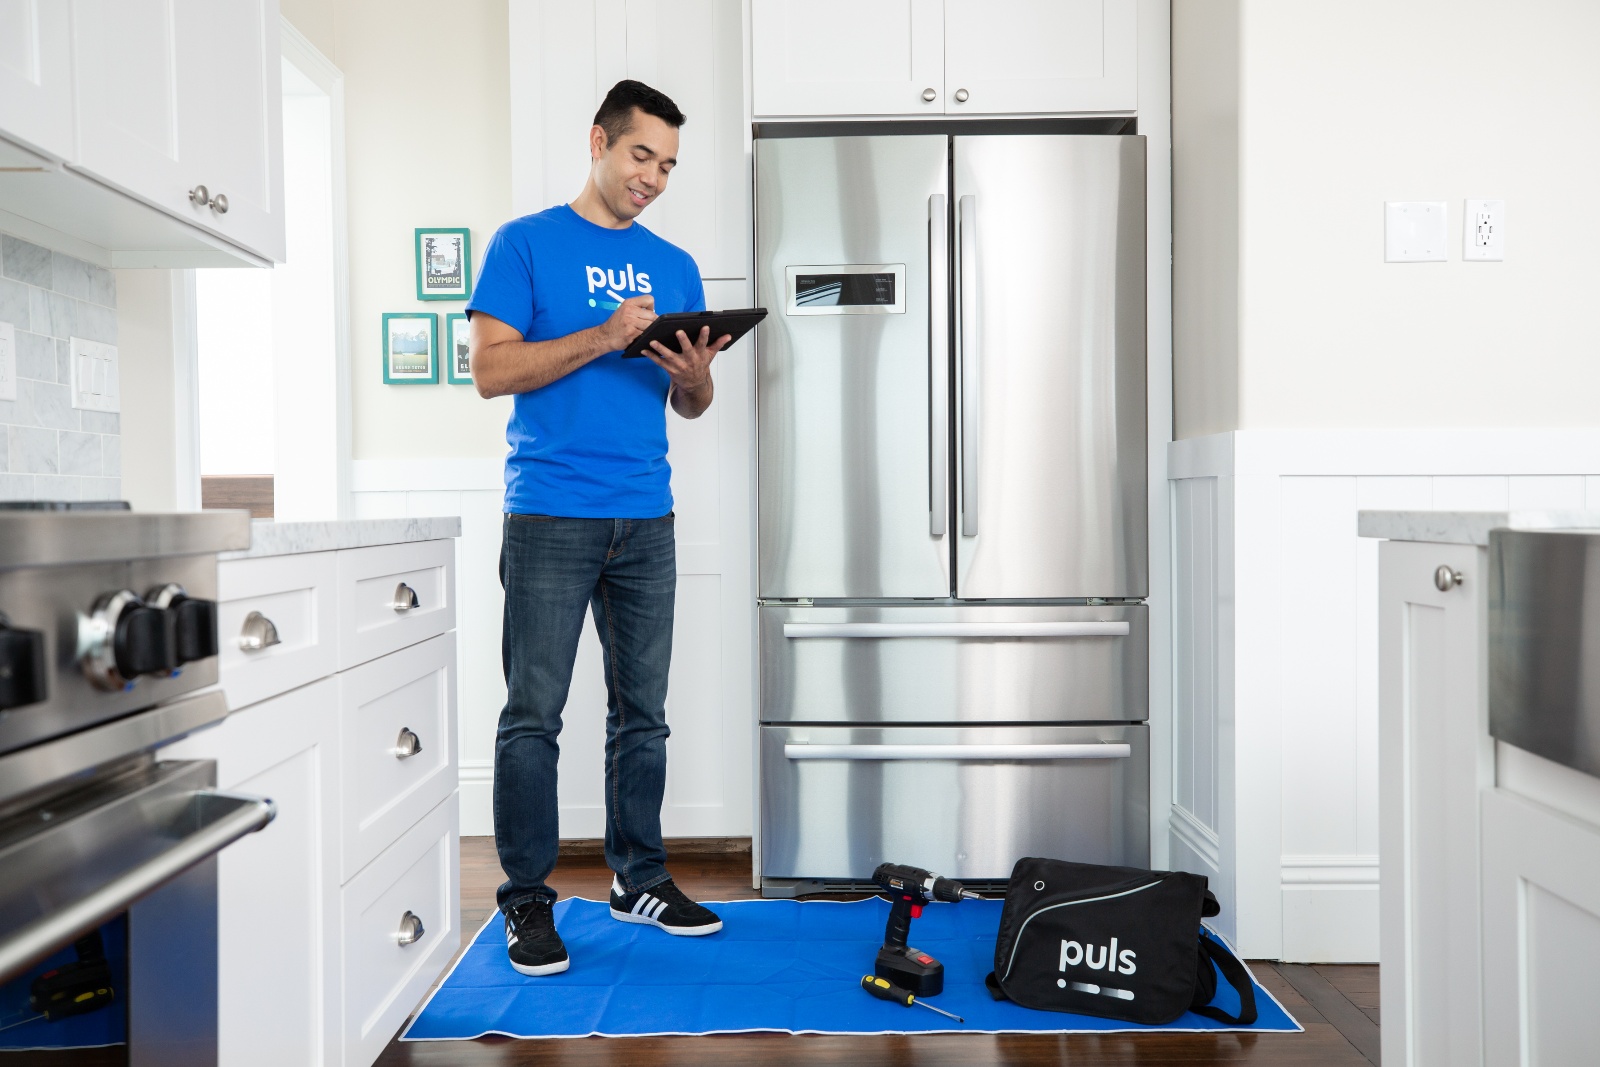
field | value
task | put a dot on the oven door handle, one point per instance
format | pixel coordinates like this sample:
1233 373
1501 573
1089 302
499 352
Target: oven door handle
239 815
794 630
1092 750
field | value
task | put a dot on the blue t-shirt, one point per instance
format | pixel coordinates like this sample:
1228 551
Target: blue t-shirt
591 444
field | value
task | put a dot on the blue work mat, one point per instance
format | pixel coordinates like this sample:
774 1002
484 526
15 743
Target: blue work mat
778 965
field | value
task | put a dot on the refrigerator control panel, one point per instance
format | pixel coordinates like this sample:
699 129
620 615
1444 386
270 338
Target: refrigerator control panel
846 289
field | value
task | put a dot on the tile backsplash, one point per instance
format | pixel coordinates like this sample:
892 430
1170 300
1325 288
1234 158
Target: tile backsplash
49 450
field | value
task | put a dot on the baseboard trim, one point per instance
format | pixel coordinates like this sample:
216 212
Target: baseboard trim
592 847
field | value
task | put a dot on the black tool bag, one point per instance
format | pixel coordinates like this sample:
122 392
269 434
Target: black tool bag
1118 942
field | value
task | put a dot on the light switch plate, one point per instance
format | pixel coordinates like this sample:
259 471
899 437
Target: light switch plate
1483 231
8 361
96 383
1414 231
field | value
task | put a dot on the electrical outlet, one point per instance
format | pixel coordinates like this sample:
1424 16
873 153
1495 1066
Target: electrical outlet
1483 231
96 384
8 361
1414 231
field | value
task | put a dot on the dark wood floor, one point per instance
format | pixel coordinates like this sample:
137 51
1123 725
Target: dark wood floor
1342 1000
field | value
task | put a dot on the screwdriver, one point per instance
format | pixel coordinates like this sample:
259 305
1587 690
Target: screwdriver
883 989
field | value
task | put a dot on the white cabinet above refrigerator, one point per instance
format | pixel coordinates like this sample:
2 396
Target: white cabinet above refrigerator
844 59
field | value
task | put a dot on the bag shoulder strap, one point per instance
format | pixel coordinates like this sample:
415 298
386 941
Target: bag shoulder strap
1237 977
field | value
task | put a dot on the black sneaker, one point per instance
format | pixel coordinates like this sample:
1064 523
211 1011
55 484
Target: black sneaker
532 943
665 906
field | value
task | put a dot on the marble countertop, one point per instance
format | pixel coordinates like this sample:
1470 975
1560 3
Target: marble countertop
1466 527
269 538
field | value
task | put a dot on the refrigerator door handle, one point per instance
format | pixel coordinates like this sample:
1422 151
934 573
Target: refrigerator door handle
970 400
1095 750
794 630
938 362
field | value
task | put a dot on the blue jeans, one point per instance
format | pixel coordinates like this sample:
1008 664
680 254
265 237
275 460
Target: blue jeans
553 570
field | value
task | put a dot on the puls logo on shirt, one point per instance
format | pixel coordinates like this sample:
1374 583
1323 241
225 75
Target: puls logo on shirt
614 284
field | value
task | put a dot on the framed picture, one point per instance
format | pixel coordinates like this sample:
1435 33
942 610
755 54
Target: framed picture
444 264
410 348
457 354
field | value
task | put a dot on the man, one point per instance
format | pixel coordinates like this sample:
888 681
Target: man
588 512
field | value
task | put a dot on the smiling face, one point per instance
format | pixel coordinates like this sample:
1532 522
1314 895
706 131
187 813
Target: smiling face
632 171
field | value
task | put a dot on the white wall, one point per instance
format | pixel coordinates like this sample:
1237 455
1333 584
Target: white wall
1341 107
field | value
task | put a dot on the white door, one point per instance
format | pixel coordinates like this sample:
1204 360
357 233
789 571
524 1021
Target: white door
847 57
707 208
1434 757
1039 56
230 114
36 75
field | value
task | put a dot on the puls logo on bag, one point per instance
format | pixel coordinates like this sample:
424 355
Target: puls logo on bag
1109 959
614 283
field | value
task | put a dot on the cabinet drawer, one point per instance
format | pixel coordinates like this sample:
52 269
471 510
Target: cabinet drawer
378 616
385 977
385 708
292 641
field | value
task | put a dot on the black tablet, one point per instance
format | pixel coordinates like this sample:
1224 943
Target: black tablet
665 328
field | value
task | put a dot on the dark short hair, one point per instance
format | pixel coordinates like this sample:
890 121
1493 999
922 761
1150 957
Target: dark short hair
616 110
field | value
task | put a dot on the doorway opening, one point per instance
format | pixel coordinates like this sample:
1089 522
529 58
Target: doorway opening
271 343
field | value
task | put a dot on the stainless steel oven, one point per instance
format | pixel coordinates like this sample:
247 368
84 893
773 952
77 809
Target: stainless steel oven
107 853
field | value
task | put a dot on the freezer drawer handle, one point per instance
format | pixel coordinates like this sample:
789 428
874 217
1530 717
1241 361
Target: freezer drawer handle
1096 750
955 629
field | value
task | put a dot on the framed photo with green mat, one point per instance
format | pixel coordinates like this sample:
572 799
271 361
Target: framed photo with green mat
457 350
410 348
444 264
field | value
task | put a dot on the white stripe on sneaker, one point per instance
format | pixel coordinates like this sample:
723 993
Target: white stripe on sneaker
661 906
644 901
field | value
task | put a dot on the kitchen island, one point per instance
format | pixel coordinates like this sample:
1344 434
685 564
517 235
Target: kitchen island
338 658
1489 854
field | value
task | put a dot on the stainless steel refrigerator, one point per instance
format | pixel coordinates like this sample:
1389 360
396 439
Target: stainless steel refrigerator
952 531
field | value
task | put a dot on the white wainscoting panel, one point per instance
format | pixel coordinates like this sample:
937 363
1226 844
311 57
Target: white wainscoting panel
1275 666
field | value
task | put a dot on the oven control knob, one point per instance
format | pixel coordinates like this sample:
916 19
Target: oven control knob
195 621
122 638
24 678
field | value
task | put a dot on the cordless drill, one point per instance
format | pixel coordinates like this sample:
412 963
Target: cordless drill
908 890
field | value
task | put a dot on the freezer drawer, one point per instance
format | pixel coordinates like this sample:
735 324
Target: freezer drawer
955 664
967 802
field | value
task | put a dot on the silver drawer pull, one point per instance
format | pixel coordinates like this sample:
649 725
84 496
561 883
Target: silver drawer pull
1093 750
411 930
405 598
408 744
258 633
955 629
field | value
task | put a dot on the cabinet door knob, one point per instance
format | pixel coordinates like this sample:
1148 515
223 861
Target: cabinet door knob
411 930
405 598
258 633
408 744
930 95
1447 578
961 96
199 196
219 204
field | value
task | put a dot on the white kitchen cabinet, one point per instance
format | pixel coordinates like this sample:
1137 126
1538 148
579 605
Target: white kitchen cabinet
277 969
1040 56
1434 757
843 57
36 75
310 969
174 95
956 57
